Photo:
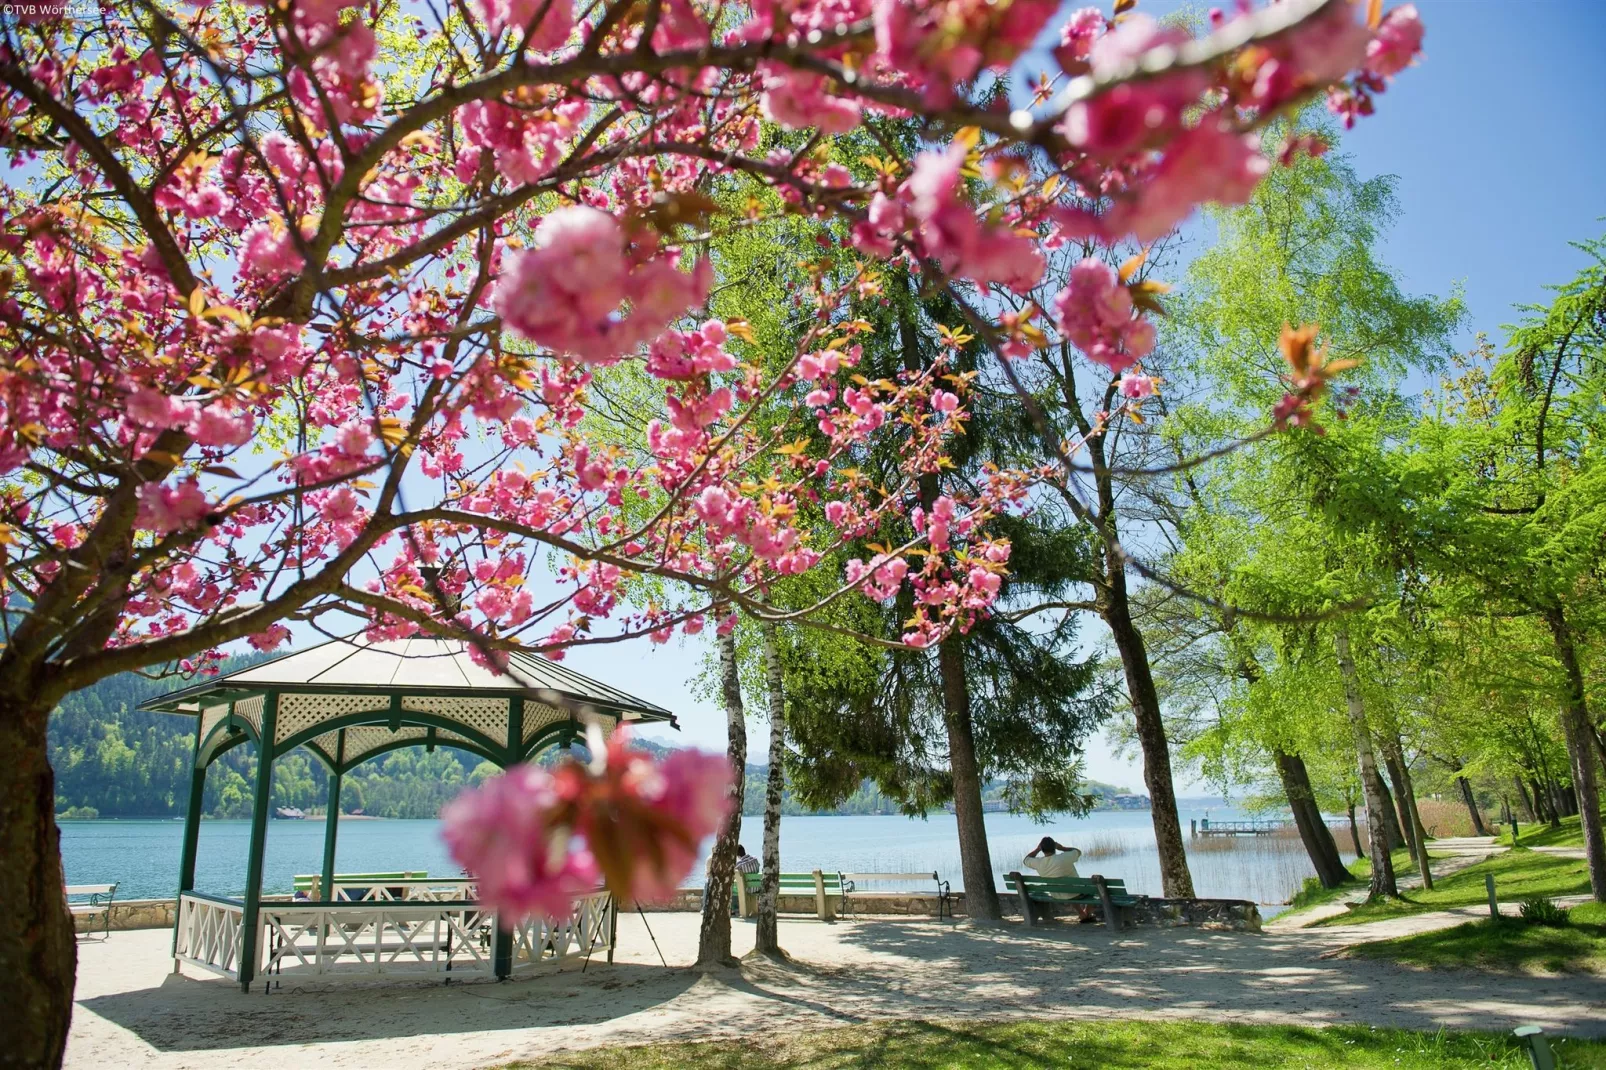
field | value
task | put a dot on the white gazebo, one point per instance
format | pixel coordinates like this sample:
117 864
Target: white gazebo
346 701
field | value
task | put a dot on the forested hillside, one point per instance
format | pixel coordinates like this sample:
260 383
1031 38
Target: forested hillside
112 760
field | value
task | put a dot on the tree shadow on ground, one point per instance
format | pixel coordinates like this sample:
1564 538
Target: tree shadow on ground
185 1014
1066 969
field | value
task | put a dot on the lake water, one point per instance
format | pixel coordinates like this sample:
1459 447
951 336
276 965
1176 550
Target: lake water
143 856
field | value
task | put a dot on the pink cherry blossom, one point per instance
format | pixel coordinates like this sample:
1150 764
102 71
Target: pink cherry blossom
275 636
523 865
163 508
1210 162
557 19
151 408
216 425
267 249
1095 312
680 801
564 292
799 100
1136 386
1396 44
1077 36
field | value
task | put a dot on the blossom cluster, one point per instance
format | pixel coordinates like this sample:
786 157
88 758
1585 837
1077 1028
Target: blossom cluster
565 291
536 840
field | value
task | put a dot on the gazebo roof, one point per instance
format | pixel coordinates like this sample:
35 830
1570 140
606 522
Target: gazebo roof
350 698
417 666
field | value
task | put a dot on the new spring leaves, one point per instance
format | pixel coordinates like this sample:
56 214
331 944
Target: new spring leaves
272 259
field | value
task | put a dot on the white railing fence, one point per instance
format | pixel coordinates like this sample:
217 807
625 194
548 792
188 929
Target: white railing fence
208 933
332 940
587 931
414 937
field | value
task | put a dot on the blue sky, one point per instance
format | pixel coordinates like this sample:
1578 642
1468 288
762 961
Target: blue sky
1498 140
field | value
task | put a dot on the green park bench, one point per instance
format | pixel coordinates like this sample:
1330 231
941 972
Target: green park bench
308 885
1110 896
821 885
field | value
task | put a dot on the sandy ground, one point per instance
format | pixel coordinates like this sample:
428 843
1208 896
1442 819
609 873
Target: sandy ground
132 1012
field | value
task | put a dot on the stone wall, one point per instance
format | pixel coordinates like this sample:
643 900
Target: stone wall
1239 915
1236 914
131 914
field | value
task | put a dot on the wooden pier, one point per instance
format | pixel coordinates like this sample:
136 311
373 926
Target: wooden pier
1207 827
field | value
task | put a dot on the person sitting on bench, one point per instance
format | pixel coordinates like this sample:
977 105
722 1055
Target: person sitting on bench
1052 859
745 863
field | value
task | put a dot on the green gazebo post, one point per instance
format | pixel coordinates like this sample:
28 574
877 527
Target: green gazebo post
192 828
331 824
251 919
502 937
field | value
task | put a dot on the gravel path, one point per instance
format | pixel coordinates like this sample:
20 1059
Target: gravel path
133 1012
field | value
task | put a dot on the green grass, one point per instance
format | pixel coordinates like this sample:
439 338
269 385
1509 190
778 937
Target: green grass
1570 834
1518 874
1102 1045
1509 945
1312 894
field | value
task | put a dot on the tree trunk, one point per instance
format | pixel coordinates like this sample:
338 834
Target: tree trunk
714 939
975 862
38 950
1528 810
1313 830
1355 834
1392 763
1382 883
1471 801
1401 773
1391 827
1175 879
767 940
1578 729
1546 801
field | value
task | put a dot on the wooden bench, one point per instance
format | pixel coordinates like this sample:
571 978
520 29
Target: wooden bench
310 885
851 882
1110 896
97 900
823 886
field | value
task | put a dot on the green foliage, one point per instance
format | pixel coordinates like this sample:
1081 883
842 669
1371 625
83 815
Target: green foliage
1254 526
1537 910
1091 1045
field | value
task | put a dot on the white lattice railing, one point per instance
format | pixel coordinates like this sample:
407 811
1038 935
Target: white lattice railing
208 933
587 931
415 937
412 890
419 938
365 940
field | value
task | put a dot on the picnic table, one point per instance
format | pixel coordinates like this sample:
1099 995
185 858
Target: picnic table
310 885
1110 896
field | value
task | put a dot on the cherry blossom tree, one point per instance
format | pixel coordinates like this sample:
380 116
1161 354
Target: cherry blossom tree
301 303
